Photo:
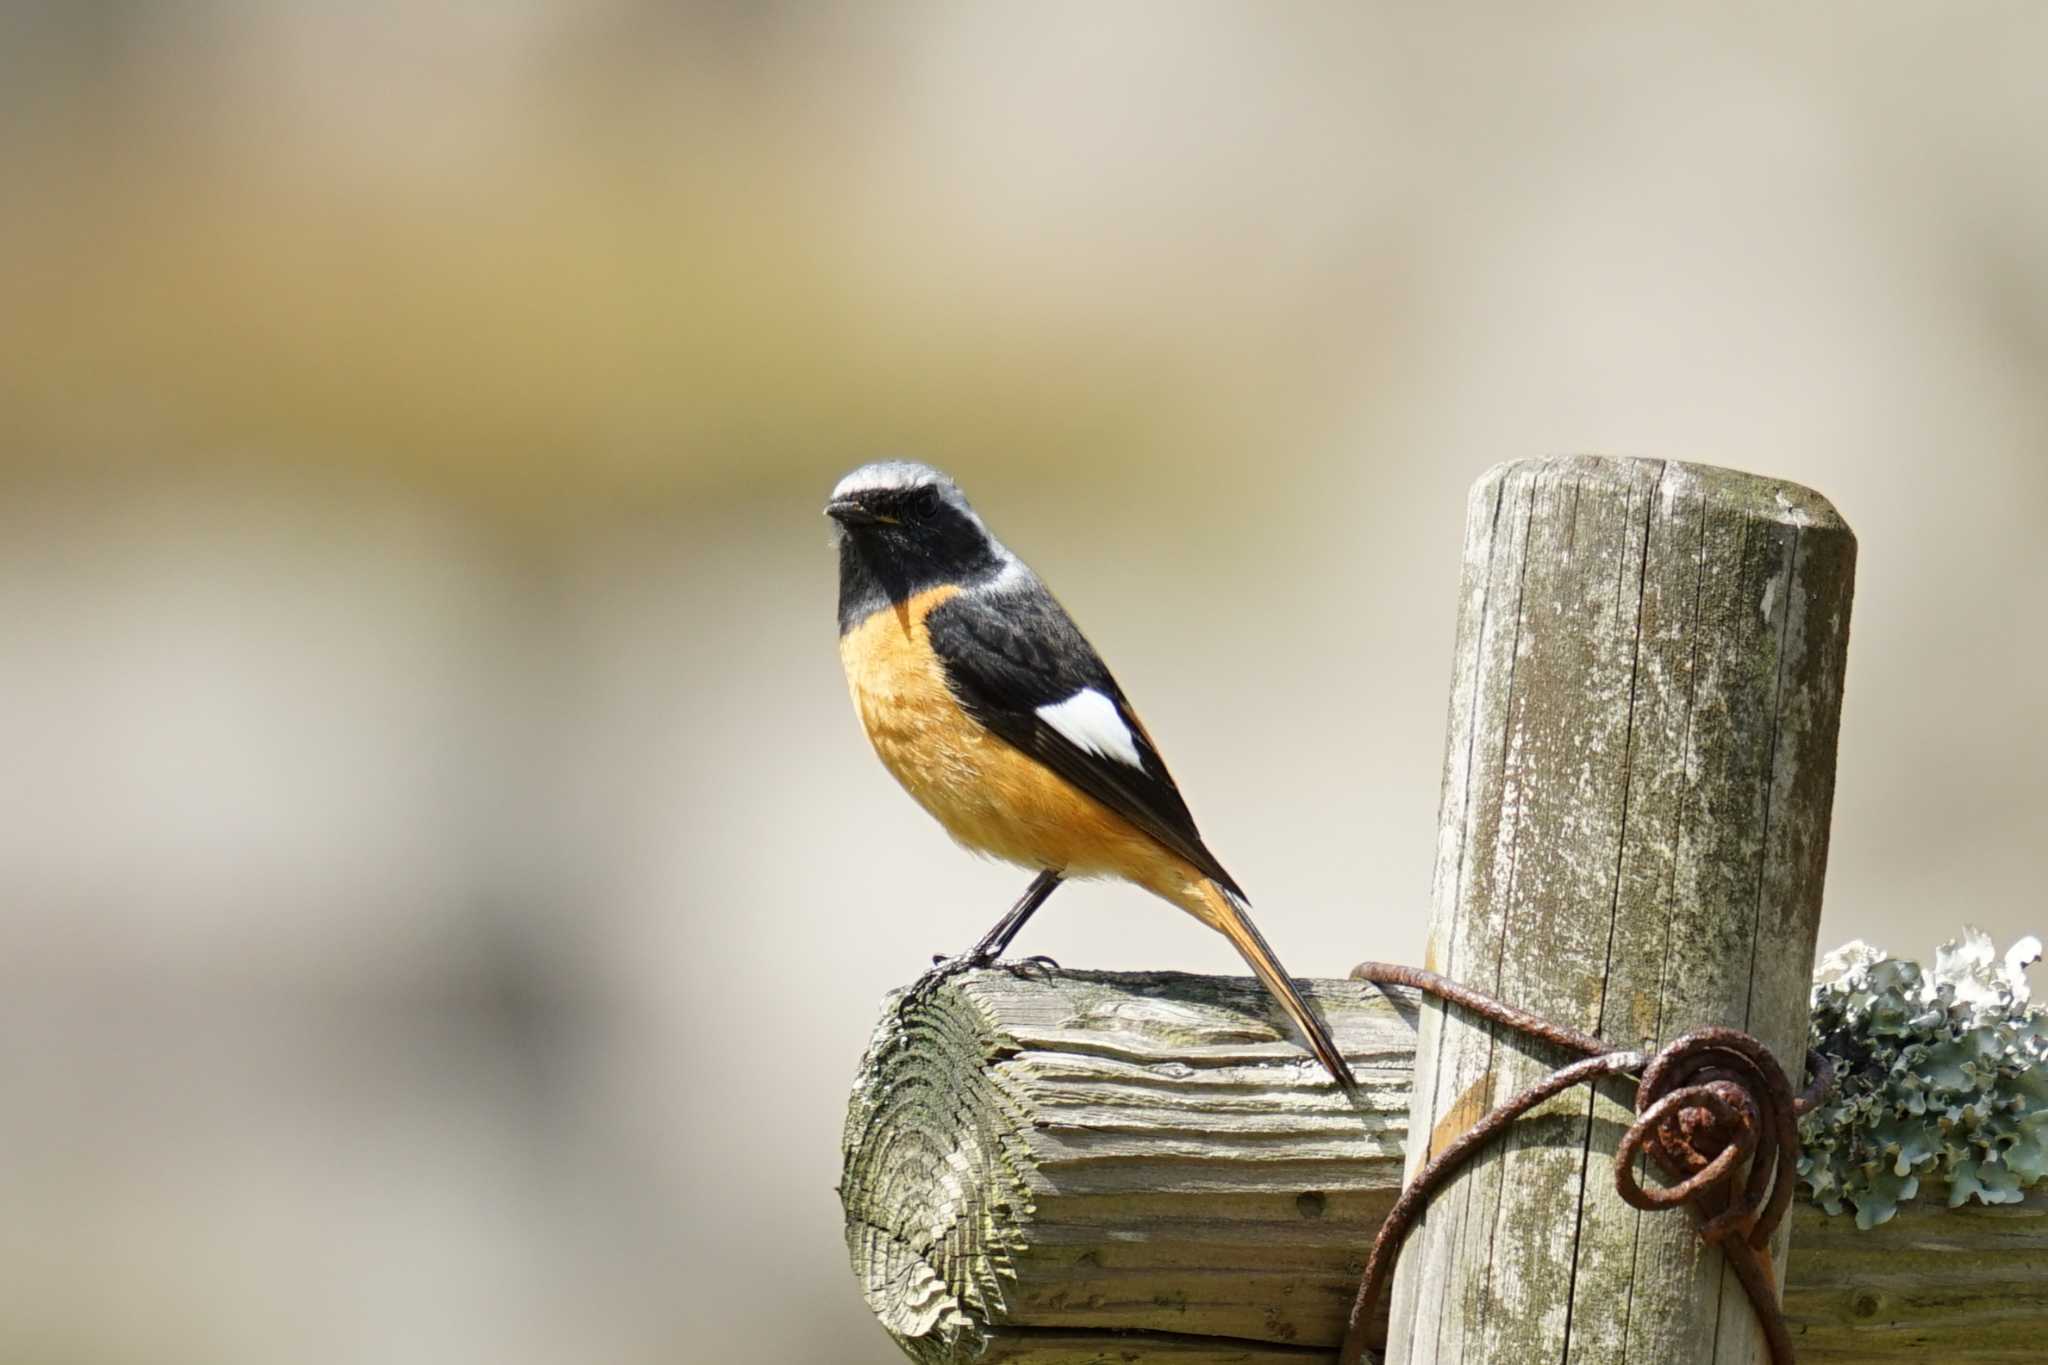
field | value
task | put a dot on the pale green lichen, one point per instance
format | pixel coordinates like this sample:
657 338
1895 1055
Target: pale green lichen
1941 1075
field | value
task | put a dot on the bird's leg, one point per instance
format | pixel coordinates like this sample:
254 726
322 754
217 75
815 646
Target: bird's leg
991 944
997 940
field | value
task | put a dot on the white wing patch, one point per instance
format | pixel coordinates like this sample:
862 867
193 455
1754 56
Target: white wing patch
1090 720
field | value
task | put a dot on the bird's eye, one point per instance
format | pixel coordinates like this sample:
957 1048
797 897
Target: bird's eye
926 504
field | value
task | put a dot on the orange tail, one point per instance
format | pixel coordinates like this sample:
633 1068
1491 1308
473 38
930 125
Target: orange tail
1229 914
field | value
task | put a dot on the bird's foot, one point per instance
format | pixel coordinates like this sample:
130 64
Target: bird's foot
1026 966
1015 966
944 968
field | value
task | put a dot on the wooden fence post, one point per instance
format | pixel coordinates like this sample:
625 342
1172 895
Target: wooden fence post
1639 769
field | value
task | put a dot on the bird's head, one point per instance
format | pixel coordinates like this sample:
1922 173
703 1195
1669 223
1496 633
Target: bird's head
898 511
904 527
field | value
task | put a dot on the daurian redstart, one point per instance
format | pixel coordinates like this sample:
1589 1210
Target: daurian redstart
986 702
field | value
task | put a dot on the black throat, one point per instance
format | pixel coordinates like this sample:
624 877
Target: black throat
868 581
882 566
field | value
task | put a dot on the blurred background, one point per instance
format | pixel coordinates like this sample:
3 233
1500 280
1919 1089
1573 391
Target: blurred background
443 892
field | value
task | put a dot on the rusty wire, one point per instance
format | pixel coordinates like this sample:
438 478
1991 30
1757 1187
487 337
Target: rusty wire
1707 1105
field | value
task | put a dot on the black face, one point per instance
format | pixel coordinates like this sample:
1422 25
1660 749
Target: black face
897 542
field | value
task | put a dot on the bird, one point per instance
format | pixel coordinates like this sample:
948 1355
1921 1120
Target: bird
984 700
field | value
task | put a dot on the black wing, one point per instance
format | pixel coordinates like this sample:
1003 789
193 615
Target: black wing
1006 654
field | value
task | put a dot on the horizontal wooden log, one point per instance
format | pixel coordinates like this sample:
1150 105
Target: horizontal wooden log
1932 1284
1113 1154
1077 1168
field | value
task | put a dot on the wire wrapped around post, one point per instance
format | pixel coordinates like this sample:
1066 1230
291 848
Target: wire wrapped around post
1708 1105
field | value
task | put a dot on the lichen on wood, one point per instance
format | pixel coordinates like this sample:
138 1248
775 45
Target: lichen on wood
1943 1077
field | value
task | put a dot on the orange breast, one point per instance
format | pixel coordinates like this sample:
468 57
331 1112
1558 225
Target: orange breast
989 795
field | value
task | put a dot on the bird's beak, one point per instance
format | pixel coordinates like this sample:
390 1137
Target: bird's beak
849 512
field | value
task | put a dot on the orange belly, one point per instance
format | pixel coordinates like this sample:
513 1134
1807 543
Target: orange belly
990 796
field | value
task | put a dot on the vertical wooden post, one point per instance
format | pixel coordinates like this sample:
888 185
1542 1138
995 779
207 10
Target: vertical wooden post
1634 829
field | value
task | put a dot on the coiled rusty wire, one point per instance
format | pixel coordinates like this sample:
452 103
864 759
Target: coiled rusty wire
1708 1104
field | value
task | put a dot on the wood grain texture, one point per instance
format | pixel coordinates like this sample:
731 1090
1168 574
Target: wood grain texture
1967 1284
1094 1169
1637 784
1139 1154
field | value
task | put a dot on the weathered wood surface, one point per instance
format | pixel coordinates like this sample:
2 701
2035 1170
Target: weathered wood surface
1140 1154
1934 1284
1637 784
1089 1168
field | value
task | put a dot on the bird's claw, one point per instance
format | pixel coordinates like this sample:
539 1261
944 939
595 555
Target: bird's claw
943 968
